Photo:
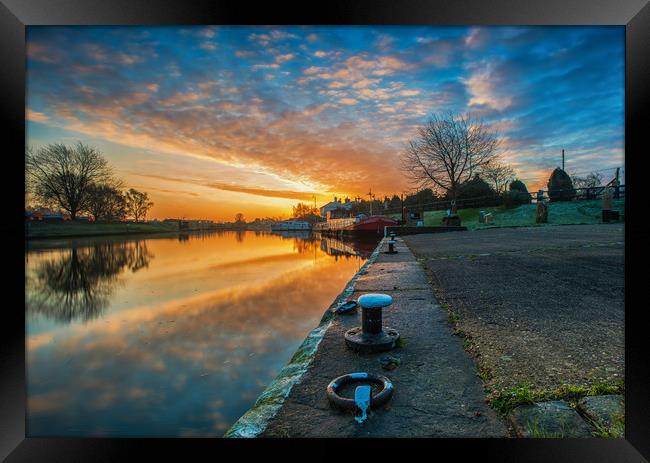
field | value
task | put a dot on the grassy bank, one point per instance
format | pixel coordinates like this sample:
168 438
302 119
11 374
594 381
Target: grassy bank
36 230
560 213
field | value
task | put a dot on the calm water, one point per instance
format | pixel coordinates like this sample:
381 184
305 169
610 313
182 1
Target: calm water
172 335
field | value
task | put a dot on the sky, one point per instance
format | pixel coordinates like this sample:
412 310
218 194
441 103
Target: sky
212 121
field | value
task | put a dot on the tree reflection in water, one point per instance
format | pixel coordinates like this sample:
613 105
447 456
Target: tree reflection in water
76 285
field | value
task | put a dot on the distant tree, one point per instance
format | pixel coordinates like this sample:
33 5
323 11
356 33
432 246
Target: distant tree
518 185
448 151
302 209
395 202
592 180
239 218
478 190
498 174
517 195
137 204
422 197
61 175
560 186
105 202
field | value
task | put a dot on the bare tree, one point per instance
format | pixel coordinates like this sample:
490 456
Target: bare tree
500 175
448 150
137 203
105 202
61 175
592 180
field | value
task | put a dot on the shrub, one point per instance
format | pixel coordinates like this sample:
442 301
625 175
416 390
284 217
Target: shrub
514 198
518 185
476 193
560 186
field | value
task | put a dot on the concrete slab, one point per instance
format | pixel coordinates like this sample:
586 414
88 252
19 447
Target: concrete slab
551 419
602 409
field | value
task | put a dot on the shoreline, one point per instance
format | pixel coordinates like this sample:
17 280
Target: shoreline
85 230
255 420
437 391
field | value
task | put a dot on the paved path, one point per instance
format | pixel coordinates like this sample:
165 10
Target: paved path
437 392
544 305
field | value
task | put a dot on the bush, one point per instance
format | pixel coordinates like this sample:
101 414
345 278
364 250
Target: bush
518 185
560 186
514 198
476 193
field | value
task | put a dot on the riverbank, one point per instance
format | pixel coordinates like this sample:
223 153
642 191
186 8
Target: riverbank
581 212
559 213
44 230
437 392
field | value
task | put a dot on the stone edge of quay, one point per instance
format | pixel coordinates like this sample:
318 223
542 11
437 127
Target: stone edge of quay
254 421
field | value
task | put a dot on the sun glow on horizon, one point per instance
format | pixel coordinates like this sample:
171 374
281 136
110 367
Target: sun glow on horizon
212 121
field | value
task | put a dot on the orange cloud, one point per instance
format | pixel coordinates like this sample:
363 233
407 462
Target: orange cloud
304 196
36 116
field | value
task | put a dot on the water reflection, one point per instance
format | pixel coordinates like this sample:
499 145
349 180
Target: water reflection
78 282
186 341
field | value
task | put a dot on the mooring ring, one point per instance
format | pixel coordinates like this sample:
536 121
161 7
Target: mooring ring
376 400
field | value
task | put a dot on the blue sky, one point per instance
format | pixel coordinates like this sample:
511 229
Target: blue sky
216 120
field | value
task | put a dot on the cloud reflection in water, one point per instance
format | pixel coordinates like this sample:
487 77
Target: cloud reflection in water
184 345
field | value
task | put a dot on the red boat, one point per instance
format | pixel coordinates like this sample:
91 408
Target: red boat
374 223
356 225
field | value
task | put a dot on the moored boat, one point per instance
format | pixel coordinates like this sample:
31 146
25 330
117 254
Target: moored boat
291 225
361 224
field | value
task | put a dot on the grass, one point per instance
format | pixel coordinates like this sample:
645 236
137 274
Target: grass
615 431
505 401
62 229
560 213
537 431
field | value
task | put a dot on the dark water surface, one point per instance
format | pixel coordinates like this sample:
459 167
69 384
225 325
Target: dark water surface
169 335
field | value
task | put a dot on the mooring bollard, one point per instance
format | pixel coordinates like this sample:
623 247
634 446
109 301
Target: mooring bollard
391 247
370 336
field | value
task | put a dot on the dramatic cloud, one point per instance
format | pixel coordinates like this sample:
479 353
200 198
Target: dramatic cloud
287 111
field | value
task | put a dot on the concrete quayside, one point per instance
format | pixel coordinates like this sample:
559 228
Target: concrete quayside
437 392
436 387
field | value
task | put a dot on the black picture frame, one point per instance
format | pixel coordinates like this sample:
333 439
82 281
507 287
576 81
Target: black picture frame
16 14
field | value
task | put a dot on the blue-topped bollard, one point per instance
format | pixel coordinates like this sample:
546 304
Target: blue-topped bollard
370 336
391 247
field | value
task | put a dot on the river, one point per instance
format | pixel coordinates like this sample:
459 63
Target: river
169 335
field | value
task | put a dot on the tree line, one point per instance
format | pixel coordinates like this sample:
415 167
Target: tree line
455 157
78 179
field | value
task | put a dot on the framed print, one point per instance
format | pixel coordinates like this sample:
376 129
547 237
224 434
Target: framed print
252 226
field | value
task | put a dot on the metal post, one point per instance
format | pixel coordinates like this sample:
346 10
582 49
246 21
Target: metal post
371 336
371 320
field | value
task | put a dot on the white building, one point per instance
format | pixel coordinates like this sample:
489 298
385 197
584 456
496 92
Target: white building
336 208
